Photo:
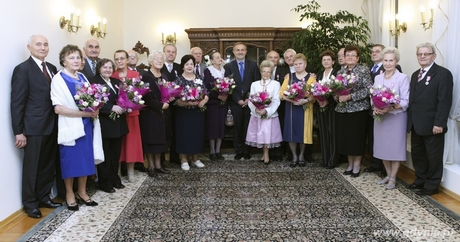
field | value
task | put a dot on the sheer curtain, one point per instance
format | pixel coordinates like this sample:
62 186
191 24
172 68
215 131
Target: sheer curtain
446 26
377 13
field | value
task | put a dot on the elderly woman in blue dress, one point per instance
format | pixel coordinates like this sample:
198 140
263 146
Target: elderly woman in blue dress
79 134
264 129
390 133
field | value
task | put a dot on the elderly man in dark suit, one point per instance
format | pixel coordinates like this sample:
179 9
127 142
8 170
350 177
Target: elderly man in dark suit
92 51
244 72
430 100
34 125
200 66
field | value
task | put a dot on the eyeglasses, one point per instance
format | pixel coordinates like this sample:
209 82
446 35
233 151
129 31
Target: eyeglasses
424 54
350 55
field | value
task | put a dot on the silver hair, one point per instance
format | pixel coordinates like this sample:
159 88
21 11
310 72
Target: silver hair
155 53
426 45
290 50
267 63
390 50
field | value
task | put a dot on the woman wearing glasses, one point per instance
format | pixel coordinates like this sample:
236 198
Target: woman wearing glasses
352 110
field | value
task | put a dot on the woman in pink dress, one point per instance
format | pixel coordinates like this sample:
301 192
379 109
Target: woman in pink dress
131 149
264 129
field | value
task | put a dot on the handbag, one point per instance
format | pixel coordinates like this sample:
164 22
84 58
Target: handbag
229 118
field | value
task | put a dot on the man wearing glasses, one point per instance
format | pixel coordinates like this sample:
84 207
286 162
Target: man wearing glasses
430 100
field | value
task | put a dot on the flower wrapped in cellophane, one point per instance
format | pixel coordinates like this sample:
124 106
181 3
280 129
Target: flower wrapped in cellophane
321 90
342 84
130 95
224 86
90 97
193 93
261 100
169 90
383 97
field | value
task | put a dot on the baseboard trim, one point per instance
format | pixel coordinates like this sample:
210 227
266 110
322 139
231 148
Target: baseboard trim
443 189
10 219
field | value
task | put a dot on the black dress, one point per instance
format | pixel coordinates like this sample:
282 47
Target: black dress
327 129
190 122
154 122
216 110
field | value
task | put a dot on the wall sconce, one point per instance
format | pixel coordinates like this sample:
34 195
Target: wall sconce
72 26
427 25
399 28
100 32
169 39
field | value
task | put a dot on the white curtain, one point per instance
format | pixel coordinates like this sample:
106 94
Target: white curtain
378 14
446 27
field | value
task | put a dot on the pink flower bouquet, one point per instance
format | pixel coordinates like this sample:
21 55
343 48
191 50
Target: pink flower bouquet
193 93
297 91
321 91
130 96
383 97
224 86
169 90
91 97
342 84
260 100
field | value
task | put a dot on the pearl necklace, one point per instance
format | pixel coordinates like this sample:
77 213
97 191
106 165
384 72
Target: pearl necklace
385 75
266 83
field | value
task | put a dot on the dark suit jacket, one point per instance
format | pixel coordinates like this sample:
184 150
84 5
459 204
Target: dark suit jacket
32 112
280 73
111 128
87 71
429 105
172 75
251 74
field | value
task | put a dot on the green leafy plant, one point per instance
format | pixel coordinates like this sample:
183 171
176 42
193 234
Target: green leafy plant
329 31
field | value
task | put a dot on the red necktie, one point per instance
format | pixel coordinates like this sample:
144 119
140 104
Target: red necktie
45 72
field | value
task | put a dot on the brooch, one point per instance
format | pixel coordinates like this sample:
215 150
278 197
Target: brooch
428 78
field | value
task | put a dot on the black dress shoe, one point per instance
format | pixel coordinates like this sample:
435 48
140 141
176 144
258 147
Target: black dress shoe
414 186
110 190
293 164
247 156
88 202
301 163
49 204
213 157
238 156
219 156
162 171
151 172
355 174
34 213
119 186
348 172
372 169
72 206
425 192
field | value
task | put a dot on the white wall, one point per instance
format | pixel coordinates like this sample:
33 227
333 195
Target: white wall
20 19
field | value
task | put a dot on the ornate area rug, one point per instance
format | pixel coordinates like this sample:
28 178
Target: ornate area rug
249 201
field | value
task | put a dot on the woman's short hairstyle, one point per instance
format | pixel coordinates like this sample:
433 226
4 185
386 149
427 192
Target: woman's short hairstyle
327 53
211 56
299 56
350 48
101 63
185 59
391 50
267 63
67 50
154 54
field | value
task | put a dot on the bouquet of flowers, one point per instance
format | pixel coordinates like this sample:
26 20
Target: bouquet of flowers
342 84
130 96
91 97
169 90
224 86
297 91
193 93
261 100
321 91
383 97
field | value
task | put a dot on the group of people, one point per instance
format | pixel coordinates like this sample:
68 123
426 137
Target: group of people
52 130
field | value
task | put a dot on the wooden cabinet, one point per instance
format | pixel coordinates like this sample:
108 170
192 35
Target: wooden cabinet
259 40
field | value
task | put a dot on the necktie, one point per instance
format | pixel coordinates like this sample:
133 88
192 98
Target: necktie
374 69
197 69
45 72
241 70
93 68
169 67
420 75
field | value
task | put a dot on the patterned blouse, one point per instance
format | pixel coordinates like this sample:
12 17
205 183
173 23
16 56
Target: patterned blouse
181 81
359 92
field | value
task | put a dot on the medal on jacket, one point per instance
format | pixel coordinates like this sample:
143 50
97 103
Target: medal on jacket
428 78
